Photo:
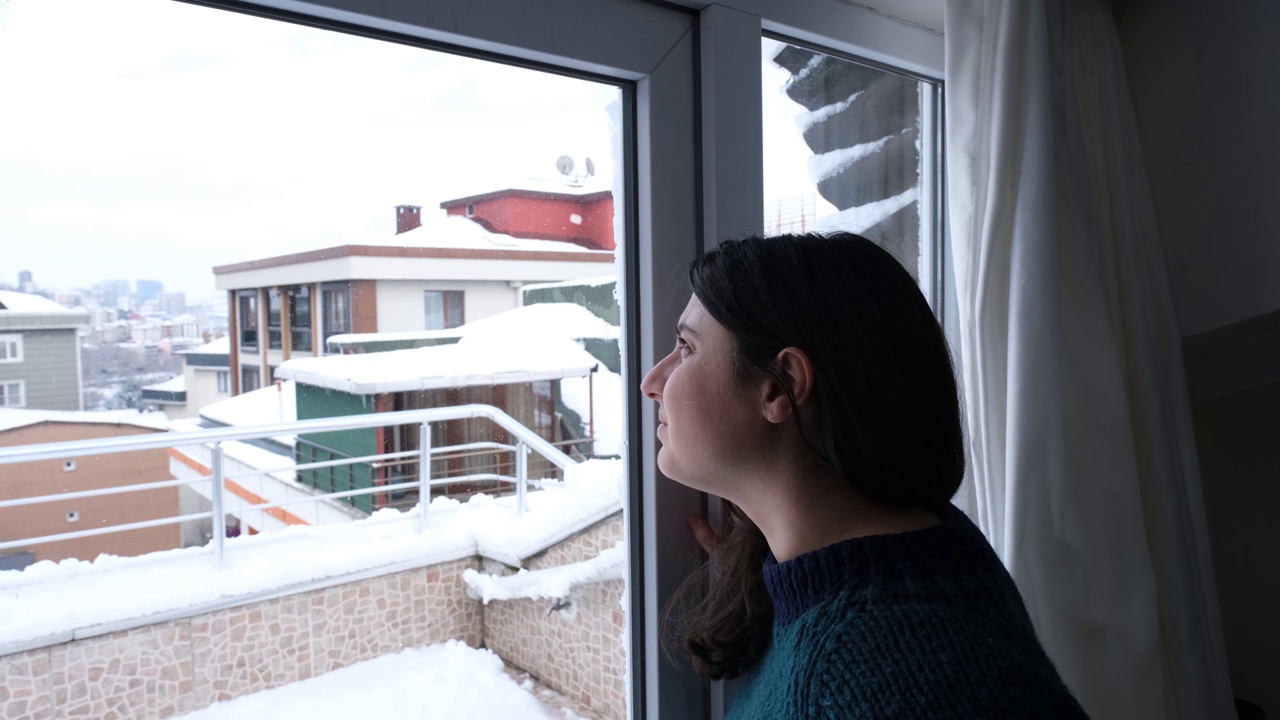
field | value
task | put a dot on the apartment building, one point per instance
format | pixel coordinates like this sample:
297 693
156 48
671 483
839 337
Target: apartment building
39 352
439 272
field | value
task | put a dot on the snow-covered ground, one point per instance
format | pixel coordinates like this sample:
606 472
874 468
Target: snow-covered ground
44 603
449 681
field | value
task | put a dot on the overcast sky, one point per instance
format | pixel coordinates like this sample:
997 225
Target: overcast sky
156 139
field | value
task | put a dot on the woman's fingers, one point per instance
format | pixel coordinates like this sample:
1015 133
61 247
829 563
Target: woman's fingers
702 532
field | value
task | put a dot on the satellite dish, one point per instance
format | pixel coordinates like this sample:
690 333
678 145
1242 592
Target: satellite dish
591 167
565 164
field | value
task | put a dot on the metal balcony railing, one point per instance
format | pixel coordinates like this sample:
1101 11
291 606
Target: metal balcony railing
526 441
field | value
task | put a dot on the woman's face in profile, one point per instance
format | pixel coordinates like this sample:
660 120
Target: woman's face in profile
707 419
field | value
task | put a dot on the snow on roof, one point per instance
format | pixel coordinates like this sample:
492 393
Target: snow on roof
588 282
19 302
458 232
174 384
592 184
221 346
560 319
564 319
12 418
477 359
256 407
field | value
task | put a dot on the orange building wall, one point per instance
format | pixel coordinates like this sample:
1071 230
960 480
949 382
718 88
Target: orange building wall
92 472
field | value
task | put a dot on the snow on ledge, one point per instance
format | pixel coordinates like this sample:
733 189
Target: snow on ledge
44 604
553 583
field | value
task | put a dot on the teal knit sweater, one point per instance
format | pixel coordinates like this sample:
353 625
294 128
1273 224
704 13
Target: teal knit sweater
922 624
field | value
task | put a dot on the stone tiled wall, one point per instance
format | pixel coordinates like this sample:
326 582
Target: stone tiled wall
577 650
163 670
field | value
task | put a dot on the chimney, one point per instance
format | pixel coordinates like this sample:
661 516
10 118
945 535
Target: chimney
408 217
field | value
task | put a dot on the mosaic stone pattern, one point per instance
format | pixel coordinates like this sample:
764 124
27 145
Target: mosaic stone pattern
173 668
252 648
139 673
577 650
583 546
360 621
25 690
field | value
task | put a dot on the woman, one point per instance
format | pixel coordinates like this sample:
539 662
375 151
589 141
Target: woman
811 388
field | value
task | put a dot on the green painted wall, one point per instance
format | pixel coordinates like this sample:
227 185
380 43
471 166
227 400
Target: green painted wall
598 299
50 369
315 402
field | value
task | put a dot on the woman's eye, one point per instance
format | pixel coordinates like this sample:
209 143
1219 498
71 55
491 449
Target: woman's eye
681 345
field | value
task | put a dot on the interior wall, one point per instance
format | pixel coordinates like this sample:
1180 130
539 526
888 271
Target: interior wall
1201 75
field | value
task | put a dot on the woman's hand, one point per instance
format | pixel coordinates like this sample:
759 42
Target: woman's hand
702 532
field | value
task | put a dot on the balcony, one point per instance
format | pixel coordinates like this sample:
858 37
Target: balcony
329 598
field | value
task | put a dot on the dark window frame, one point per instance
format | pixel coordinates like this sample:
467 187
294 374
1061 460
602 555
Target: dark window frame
248 321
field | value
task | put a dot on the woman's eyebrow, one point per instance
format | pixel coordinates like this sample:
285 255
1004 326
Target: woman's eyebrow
683 329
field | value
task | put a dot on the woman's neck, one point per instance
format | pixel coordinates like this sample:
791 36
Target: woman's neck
802 509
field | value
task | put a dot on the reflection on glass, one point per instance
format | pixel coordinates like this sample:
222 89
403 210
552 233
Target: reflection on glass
846 148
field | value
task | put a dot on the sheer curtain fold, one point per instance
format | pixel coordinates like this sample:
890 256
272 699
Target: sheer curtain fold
1084 473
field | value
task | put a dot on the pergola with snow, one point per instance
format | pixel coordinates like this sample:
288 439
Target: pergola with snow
519 370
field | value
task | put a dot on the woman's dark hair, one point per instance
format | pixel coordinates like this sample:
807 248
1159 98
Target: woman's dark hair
885 412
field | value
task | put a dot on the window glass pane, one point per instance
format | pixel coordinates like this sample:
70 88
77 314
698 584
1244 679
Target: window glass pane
849 147
300 318
274 303
434 310
455 220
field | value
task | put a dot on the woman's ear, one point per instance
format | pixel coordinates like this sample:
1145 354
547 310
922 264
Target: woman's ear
793 365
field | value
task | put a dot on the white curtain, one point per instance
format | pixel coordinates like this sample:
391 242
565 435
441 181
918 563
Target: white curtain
1084 473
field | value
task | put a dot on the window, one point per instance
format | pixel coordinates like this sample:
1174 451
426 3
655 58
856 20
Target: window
648 50
335 313
10 348
300 318
250 379
247 316
274 301
849 146
224 381
12 394
443 309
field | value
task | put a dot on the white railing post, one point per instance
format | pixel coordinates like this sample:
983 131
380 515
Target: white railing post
522 475
424 474
219 513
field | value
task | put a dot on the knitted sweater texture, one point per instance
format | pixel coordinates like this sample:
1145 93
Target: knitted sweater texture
921 624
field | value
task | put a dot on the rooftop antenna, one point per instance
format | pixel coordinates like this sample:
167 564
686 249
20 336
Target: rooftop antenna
572 175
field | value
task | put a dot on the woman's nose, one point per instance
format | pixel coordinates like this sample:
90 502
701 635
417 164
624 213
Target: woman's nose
653 381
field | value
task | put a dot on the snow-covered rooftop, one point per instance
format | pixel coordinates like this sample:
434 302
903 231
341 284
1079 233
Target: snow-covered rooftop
264 406
477 359
221 346
591 184
20 302
588 282
454 231
174 384
11 418
562 319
